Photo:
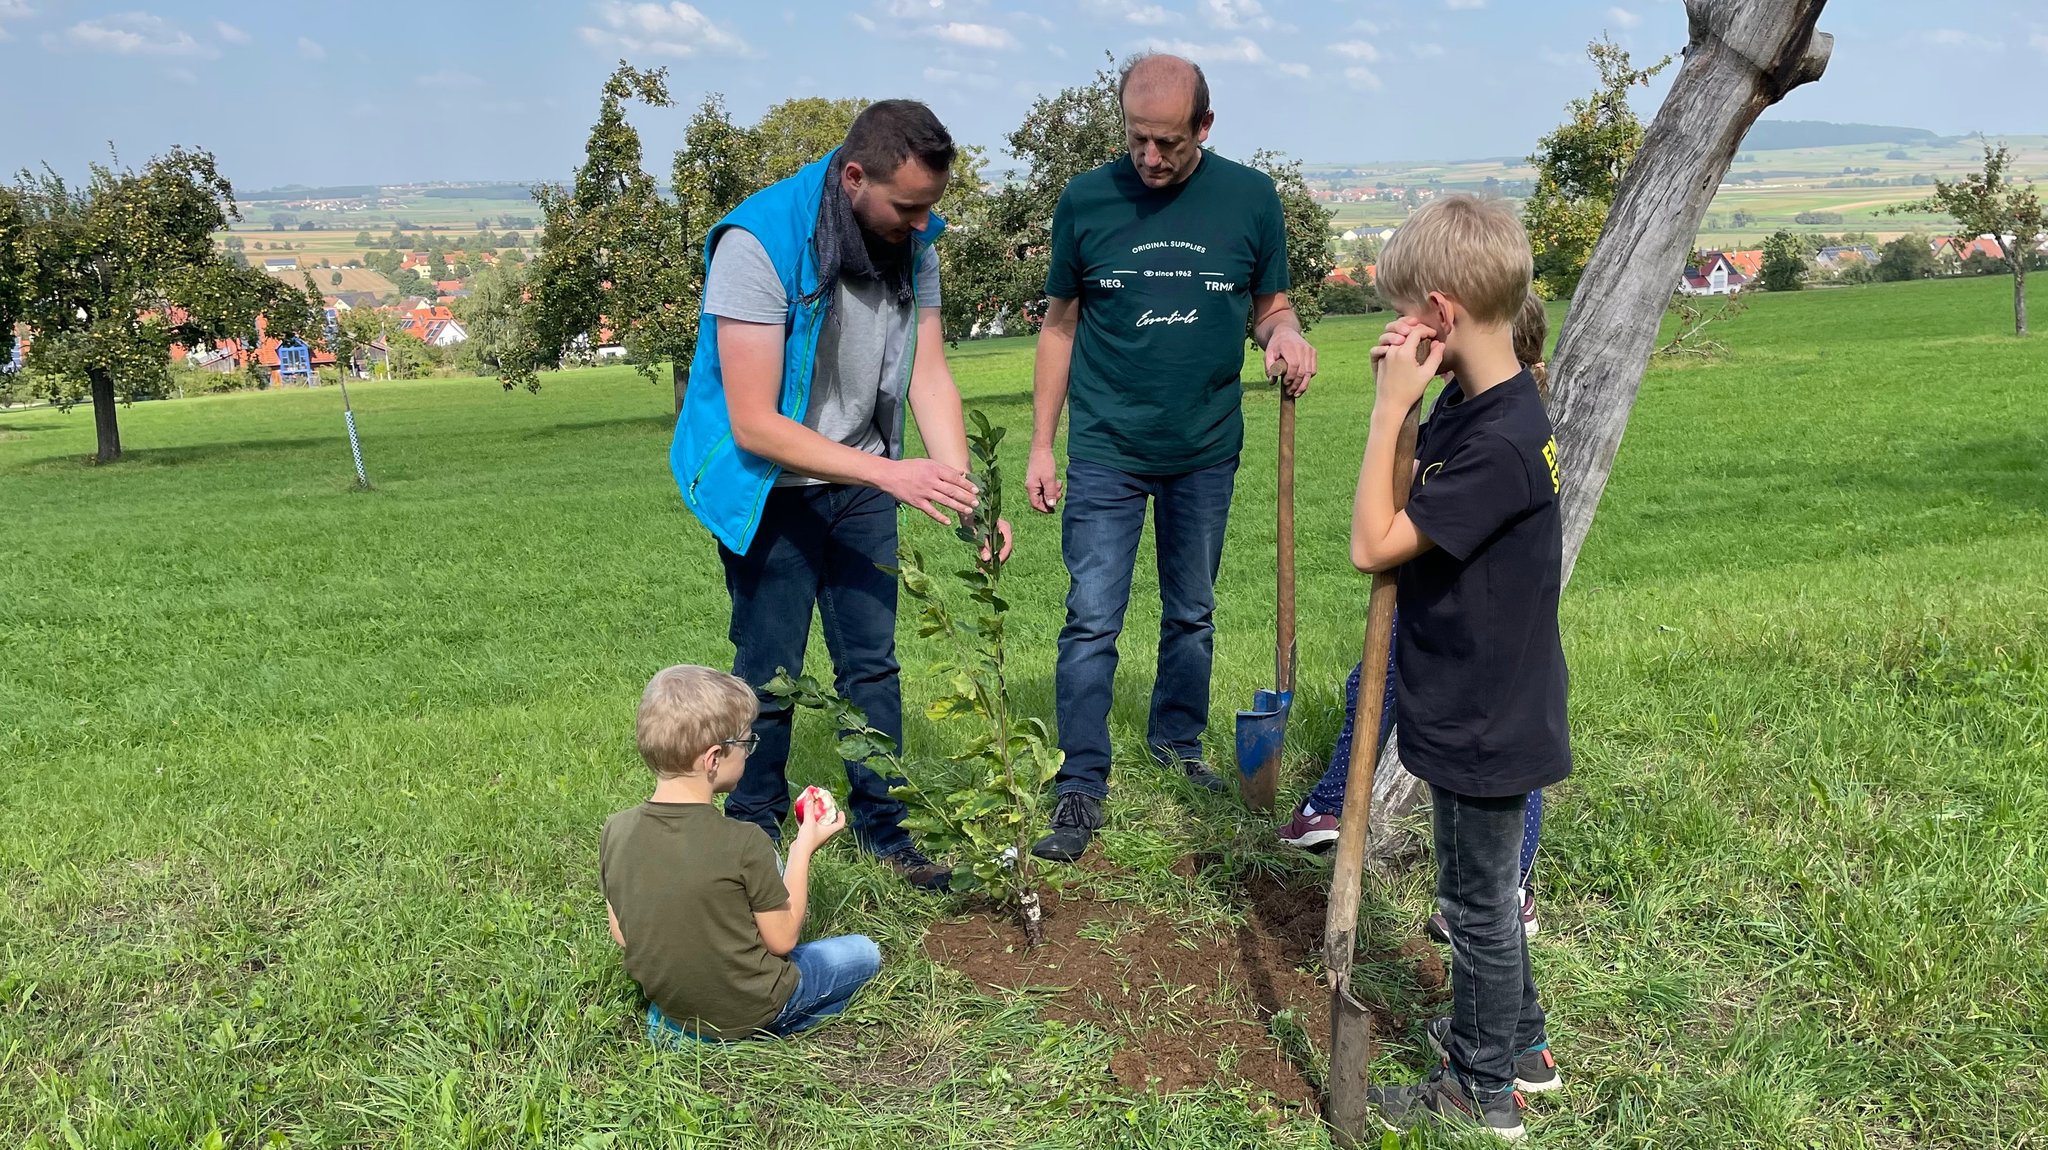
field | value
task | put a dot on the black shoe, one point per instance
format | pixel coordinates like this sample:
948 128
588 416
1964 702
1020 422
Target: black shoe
1194 770
915 868
1443 1098
1199 774
1074 822
1535 1070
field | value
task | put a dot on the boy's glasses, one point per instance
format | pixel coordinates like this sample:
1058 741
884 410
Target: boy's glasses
746 743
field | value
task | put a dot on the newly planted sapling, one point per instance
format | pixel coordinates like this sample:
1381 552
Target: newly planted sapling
1009 760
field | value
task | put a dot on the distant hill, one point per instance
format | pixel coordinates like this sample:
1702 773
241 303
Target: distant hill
1769 135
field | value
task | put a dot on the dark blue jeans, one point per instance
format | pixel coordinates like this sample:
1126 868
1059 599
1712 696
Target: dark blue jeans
1103 518
824 545
1495 1015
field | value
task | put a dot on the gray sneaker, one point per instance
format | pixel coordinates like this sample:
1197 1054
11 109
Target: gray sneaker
1535 1069
1444 1099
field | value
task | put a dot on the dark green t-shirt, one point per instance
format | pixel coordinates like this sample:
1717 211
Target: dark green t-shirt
685 882
1166 280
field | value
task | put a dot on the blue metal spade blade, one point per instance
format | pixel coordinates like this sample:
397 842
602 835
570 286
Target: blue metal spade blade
1261 733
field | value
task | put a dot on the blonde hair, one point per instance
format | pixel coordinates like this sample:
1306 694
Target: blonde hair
687 710
1472 250
1532 328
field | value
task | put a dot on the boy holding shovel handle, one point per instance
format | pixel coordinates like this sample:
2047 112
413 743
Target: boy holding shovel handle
1477 555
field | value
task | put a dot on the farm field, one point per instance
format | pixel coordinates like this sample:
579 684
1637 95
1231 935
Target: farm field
300 788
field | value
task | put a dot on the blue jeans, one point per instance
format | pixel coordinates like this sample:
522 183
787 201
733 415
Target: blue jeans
824 545
1495 1015
1099 530
1328 794
828 971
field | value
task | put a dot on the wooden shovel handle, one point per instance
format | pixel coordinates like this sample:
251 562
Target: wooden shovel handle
1340 927
1283 675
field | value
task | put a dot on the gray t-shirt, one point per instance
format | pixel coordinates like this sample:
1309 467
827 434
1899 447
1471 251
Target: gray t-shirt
863 351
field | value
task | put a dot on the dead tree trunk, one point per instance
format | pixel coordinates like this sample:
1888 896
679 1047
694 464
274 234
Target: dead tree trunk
1741 57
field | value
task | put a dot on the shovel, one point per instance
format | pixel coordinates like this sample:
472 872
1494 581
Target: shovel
1262 730
1350 1024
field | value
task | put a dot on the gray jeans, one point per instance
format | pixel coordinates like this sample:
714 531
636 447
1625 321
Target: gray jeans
1495 1015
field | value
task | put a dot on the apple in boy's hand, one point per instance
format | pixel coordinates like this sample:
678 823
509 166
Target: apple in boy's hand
810 795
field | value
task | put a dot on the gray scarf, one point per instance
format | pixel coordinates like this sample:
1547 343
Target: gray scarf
847 249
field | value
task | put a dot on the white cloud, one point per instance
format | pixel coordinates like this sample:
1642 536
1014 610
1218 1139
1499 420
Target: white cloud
1033 18
2039 42
1237 51
13 10
672 29
1365 26
929 9
859 21
1356 50
181 76
1298 71
451 80
973 35
1557 59
1362 78
229 32
1429 51
1955 38
1235 14
1129 11
1463 5
1624 18
136 34
311 49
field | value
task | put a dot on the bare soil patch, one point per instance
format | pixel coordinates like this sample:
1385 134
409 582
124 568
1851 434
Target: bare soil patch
1190 1008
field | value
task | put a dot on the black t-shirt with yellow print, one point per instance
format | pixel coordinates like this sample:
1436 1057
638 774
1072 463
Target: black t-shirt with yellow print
1481 676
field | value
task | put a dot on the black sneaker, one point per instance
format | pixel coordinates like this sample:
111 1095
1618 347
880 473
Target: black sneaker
1444 1098
1074 822
915 868
1535 1070
1194 770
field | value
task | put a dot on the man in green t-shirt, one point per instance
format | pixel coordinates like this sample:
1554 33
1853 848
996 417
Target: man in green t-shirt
1158 260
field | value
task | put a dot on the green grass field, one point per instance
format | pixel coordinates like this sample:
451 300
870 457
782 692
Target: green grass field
301 787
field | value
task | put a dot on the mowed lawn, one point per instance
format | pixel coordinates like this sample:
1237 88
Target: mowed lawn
300 788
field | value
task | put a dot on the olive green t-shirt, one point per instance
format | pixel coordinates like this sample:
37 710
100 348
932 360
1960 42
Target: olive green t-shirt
685 882
1165 280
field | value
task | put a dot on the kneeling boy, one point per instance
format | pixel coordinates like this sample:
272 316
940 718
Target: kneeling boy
708 925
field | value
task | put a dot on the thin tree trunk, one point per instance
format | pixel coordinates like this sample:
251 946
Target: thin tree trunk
1741 57
104 419
2019 296
679 374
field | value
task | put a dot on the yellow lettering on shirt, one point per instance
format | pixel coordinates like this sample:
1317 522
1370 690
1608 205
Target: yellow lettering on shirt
1550 457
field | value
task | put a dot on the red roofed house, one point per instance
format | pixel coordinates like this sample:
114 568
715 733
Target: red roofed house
1716 275
1749 263
448 287
230 355
436 327
414 261
1341 278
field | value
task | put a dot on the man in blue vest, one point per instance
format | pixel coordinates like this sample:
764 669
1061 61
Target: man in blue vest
1158 259
820 329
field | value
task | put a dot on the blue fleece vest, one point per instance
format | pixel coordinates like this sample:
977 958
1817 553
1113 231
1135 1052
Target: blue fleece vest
722 484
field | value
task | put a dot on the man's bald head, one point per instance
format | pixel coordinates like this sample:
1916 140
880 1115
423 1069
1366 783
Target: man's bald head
1157 77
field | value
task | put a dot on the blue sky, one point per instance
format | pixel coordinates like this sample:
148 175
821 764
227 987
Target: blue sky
376 91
